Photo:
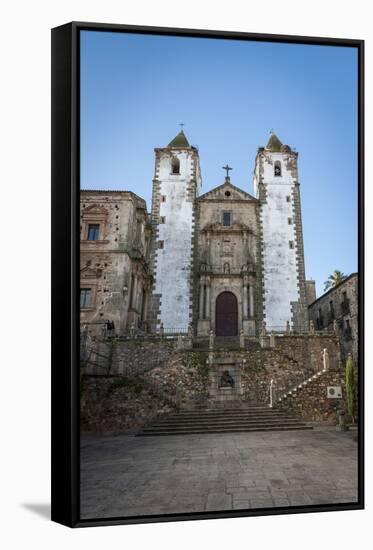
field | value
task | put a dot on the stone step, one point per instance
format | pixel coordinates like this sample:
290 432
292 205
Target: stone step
187 431
230 418
227 419
248 408
166 425
255 418
227 412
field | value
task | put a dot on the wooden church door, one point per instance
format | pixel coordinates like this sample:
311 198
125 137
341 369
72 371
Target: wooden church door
226 315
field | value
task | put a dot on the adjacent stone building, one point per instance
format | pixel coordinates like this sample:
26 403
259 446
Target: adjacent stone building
338 308
115 281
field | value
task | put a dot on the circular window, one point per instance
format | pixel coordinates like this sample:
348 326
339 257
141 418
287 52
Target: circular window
227 193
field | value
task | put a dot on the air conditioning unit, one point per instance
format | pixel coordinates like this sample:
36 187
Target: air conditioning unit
334 392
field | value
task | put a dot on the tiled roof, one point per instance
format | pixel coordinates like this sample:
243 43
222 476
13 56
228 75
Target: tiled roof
274 144
179 141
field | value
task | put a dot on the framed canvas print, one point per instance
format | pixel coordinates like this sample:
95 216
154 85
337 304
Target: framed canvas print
207 274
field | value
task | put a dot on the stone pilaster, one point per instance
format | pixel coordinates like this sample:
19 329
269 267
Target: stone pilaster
201 297
251 300
208 294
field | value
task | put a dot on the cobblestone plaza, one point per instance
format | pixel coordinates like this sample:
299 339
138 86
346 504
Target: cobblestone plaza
126 475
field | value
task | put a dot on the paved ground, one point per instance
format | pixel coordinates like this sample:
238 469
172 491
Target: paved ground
126 475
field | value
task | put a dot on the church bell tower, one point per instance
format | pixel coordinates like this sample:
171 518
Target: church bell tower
176 183
277 187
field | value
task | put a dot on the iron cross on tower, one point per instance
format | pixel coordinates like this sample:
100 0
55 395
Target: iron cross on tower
227 168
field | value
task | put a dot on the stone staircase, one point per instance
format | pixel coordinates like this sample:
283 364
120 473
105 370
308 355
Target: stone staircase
253 418
301 385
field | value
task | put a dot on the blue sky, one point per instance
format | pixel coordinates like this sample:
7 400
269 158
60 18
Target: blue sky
135 89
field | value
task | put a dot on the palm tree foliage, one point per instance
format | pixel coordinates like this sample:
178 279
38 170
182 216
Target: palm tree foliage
334 279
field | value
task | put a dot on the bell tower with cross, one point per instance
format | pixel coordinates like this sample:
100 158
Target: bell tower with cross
276 185
176 184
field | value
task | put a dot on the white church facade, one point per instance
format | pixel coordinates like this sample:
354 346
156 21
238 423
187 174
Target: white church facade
225 260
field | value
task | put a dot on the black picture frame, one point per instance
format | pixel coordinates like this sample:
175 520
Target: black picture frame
65 260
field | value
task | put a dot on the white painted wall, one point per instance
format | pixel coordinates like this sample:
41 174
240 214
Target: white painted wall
174 261
279 260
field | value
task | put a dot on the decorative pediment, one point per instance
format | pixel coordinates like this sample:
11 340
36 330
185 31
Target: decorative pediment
227 192
90 273
95 210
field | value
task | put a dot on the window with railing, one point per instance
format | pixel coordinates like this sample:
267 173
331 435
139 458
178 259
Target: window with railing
319 320
345 305
331 313
331 309
347 331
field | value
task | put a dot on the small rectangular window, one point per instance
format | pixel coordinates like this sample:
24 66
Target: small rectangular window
160 244
85 297
290 221
163 219
93 232
288 198
163 198
291 244
226 219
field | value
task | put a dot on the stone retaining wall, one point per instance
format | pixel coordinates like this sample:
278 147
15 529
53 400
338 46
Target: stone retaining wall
307 349
141 355
111 404
191 379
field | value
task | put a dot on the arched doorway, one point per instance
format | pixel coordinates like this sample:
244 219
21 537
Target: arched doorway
226 315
